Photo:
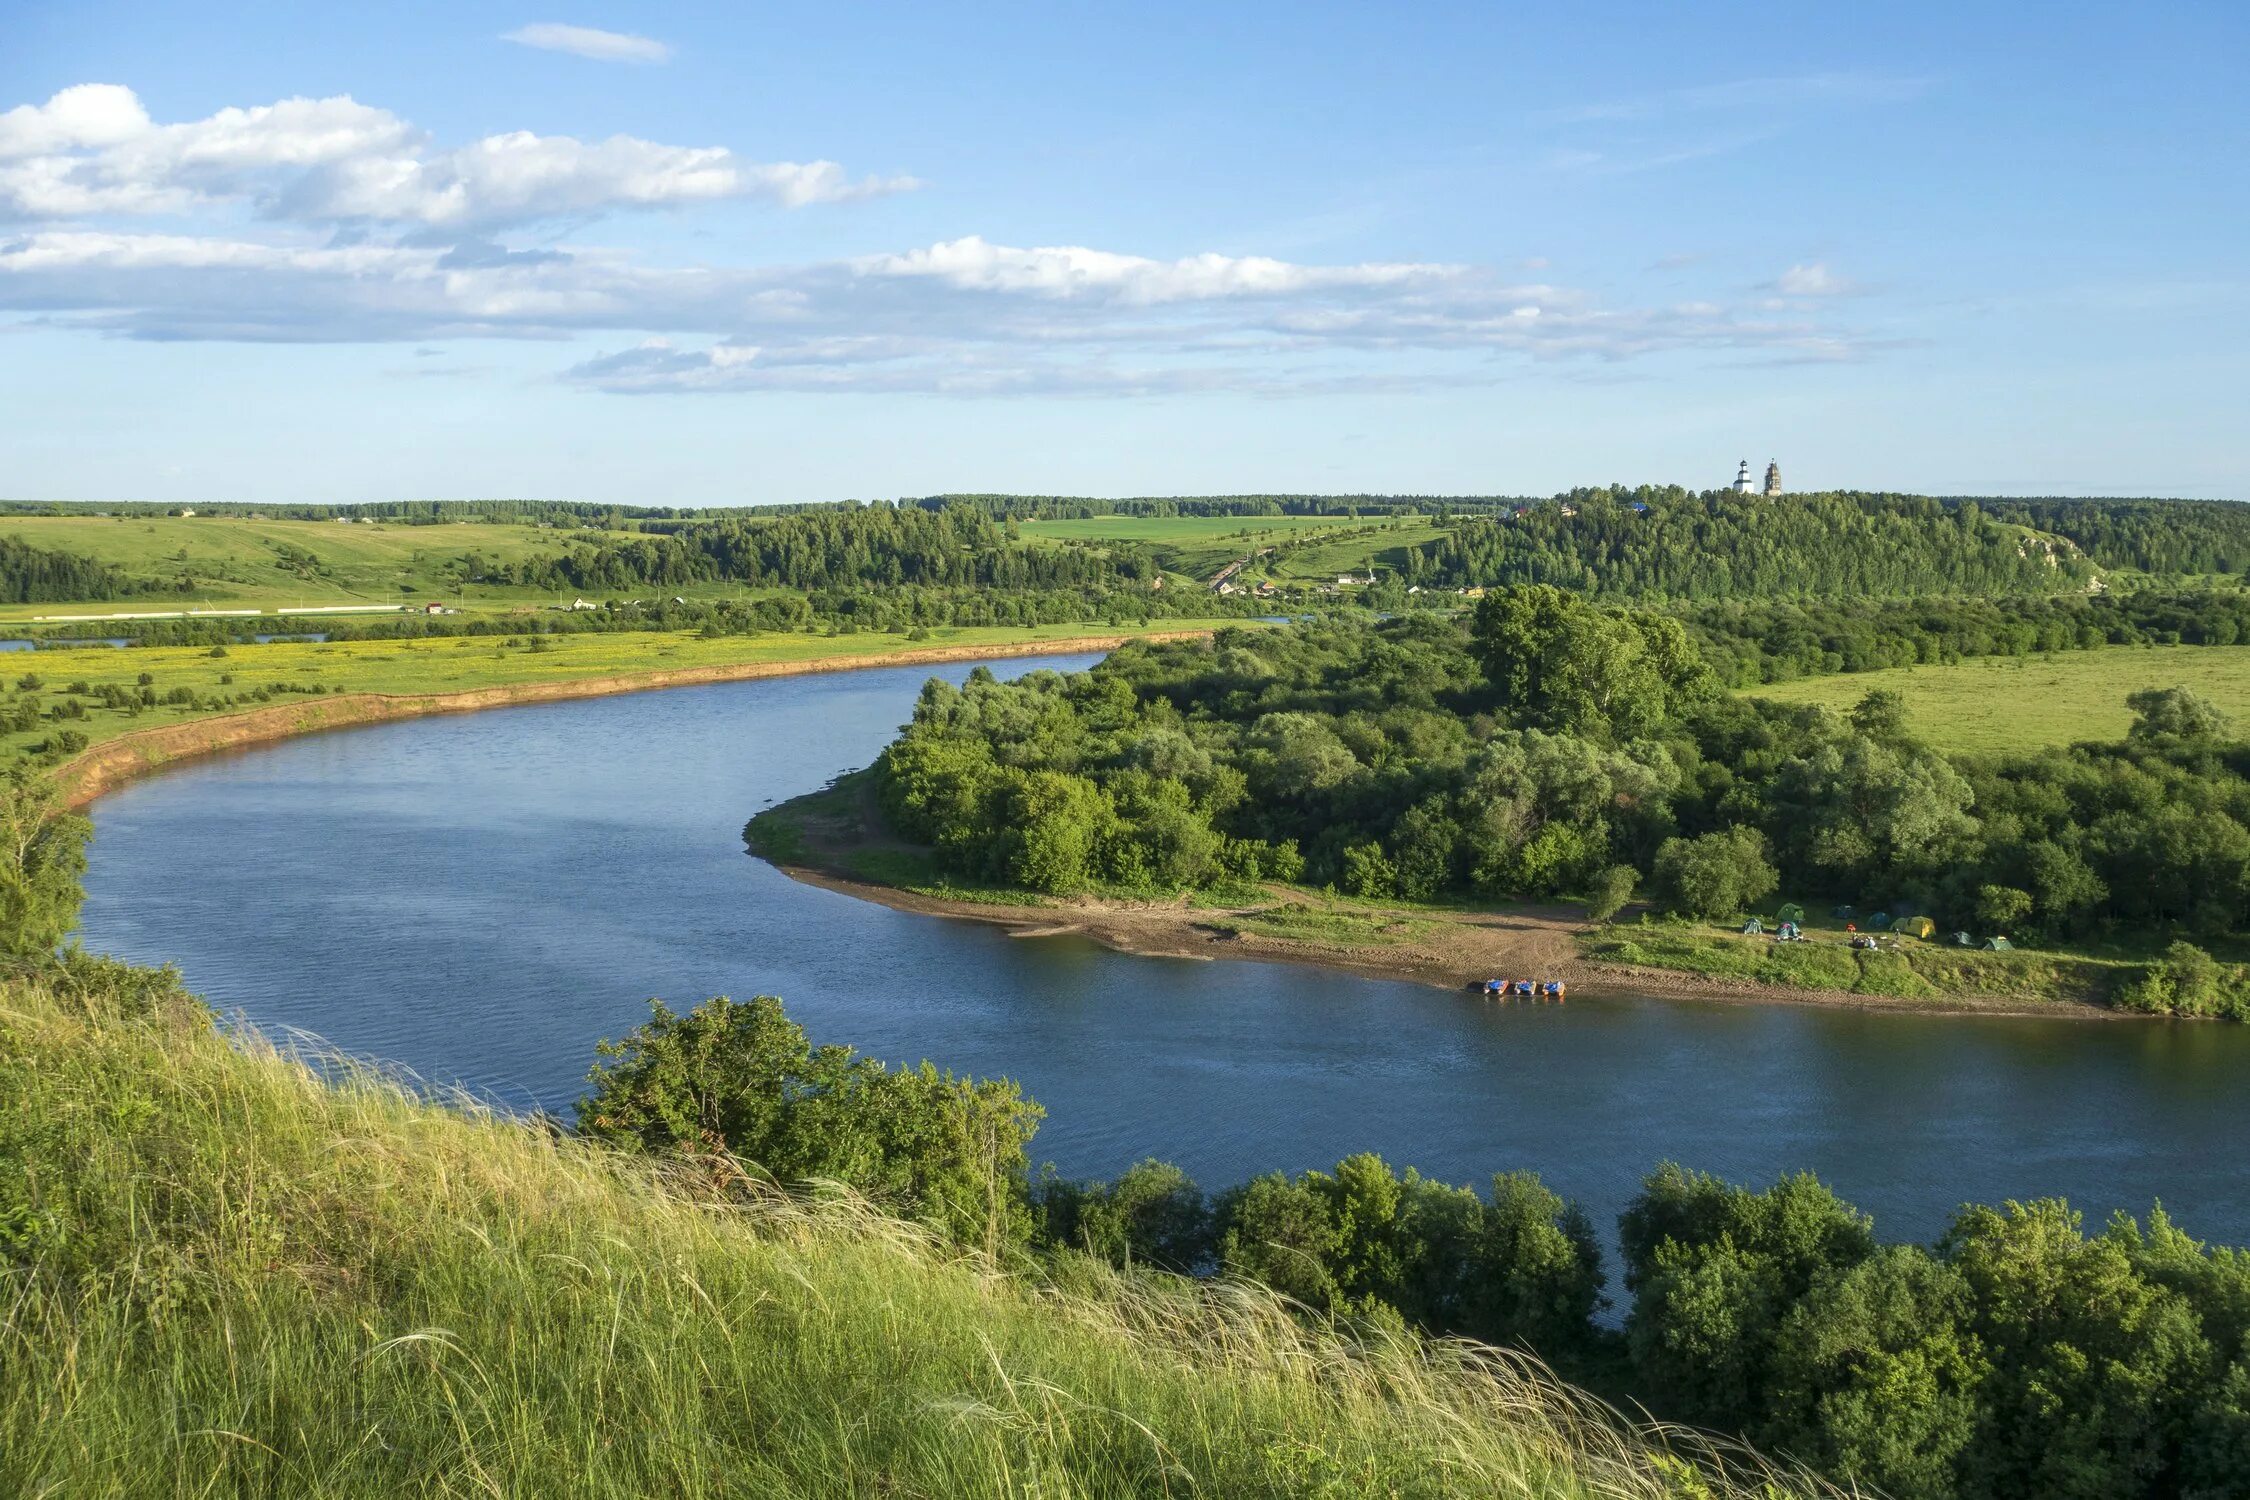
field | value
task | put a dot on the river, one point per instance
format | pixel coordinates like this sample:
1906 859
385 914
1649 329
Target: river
481 898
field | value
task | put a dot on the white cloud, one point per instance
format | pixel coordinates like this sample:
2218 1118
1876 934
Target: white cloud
1075 271
1813 280
590 42
866 324
332 220
93 151
88 114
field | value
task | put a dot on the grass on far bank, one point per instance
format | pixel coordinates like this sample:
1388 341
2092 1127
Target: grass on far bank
222 1276
443 665
2002 704
1904 969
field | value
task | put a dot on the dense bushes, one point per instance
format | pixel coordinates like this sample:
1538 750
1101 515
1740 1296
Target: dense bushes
1749 642
743 1079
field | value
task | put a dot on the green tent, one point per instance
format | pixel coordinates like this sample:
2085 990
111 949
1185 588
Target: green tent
1997 944
1790 912
1753 927
1920 927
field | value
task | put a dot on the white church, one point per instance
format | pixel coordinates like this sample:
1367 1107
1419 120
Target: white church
1745 485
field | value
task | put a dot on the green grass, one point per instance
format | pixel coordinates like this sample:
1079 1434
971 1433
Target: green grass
224 1276
2021 703
1909 969
241 563
1328 923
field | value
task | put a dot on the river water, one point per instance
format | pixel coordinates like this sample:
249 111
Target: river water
481 898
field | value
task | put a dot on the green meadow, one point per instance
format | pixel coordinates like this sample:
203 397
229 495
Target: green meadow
2000 704
237 562
458 664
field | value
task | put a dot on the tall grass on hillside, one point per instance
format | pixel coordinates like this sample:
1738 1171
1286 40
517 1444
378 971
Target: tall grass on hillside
224 1275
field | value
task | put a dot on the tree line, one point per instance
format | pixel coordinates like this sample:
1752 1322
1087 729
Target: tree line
41 575
1554 749
1664 543
1752 641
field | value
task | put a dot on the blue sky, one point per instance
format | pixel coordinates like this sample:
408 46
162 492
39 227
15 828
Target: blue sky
738 253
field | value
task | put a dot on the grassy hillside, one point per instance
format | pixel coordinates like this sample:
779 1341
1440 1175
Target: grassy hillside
240 563
222 1276
441 665
2021 703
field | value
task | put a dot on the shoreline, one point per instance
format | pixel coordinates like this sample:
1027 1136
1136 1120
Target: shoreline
128 757
1529 942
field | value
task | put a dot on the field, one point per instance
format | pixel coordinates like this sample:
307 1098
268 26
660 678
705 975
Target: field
2000 704
240 563
443 665
230 1277
1307 547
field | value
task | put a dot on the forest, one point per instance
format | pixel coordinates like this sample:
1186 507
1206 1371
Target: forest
1662 542
1554 749
38 575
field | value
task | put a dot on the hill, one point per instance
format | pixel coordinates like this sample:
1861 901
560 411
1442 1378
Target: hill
227 1275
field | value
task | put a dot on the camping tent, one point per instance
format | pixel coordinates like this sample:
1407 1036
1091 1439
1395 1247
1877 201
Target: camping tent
1920 927
1998 944
1753 927
1791 912
1879 921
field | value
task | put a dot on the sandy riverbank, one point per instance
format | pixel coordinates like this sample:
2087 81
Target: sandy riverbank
1467 949
141 752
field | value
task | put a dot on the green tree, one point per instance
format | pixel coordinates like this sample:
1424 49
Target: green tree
42 856
2093 1365
1610 891
1716 874
1876 1376
2174 714
1561 663
743 1080
1152 1214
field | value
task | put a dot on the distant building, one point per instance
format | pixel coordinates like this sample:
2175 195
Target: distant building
1773 478
1743 483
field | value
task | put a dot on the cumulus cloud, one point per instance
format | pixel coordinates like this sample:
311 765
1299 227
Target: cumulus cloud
332 220
93 151
590 42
